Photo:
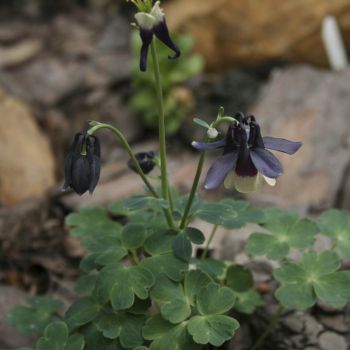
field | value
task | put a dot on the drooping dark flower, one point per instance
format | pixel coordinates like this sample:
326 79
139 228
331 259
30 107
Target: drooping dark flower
150 24
145 160
82 164
246 162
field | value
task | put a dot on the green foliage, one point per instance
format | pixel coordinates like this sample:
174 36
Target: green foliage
56 337
177 99
229 213
158 302
336 225
317 276
119 285
32 320
284 231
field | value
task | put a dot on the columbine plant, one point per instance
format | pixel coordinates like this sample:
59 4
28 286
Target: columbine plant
141 287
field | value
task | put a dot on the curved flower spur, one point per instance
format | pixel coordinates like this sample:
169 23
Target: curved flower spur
153 23
246 162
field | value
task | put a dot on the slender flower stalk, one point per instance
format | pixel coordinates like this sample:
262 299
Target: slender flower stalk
193 190
210 239
137 167
269 328
161 121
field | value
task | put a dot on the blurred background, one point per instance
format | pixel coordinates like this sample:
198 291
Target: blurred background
63 63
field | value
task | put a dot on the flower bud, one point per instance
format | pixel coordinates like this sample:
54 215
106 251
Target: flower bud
82 164
145 160
212 133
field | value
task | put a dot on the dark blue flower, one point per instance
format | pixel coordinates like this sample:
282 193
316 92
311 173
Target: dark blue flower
145 160
82 164
246 162
150 24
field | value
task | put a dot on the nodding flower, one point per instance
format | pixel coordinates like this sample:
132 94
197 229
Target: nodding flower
246 162
153 23
145 160
82 164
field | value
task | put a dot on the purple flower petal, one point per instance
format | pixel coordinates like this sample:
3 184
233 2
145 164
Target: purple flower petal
162 33
281 145
266 163
146 37
203 146
218 171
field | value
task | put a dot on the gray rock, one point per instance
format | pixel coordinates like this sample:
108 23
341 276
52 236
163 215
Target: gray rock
332 341
312 329
294 323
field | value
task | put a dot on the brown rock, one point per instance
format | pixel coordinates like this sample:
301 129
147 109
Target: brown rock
312 106
26 160
230 33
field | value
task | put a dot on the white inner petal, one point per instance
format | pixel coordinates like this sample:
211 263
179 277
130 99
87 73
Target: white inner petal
157 13
145 20
270 181
244 184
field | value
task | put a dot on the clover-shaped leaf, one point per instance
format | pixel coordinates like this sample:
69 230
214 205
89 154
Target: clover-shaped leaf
214 300
122 325
141 201
216 269
211 326
94 339
82 311
239 278
56 338
32 320
120 284
229 213
175 306
182 244
213 329
336 224
166 336
133 235
85 284
106 248
159 245
175 299
315 277
284 231
194 282
91 221
248 301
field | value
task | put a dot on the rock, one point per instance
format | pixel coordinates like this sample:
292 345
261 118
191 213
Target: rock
235 33
293 323
19 53
312 329
11 297
26 161
48 80
331 341
305 104
338 323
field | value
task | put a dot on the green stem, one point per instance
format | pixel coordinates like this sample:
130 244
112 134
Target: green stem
211 237
127 147
193 190
269 328
133 257
161 121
